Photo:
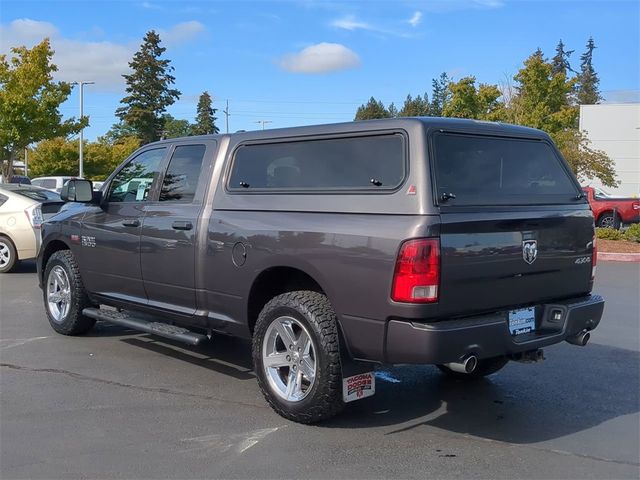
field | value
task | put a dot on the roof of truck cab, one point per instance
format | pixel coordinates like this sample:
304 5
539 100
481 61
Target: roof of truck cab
432 123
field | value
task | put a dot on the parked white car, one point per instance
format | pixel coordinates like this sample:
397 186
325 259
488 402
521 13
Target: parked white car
54 184
23 208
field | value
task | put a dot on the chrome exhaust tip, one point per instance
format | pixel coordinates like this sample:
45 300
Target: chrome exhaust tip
467 365
580 339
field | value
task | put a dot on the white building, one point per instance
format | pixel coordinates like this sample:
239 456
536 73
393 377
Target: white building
615 129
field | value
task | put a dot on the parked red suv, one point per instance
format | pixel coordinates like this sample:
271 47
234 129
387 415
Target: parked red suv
611 211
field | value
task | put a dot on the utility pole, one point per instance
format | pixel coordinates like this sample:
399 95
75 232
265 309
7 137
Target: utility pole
26 162
262 122
82 84
226 115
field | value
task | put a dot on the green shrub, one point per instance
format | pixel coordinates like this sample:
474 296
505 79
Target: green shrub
633 233
609 234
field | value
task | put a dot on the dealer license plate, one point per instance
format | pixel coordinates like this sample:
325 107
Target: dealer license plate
522 321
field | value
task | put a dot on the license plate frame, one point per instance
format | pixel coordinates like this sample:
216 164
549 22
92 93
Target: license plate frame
522 321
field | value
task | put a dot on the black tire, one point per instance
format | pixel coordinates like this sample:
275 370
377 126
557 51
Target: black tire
486 366
609 220
314 312
73 323
7 247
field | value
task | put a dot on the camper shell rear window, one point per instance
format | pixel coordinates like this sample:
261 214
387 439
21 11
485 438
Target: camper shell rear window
488 170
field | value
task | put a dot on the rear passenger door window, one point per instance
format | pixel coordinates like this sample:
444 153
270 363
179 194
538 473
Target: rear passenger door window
374 162
182 175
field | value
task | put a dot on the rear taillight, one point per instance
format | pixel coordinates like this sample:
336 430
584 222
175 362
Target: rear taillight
636 206
417 275
594 259
34 214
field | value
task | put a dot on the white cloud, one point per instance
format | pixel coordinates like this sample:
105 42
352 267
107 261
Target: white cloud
320 58
151 6
490 3
350 23
416 19
182 32
103 62
440 6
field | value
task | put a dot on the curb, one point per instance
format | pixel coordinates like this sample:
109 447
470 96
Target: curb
619 257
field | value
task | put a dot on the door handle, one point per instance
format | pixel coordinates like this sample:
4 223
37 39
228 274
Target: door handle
131 222
181 225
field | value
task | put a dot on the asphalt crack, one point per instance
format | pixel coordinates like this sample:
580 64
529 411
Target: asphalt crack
167 391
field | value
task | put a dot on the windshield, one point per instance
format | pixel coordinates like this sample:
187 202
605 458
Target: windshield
483 170
39 194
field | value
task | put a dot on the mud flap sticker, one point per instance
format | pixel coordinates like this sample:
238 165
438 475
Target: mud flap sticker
358 386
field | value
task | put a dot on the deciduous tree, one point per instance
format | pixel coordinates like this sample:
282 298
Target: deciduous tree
174 127
30 101
59 156
468 101
542 100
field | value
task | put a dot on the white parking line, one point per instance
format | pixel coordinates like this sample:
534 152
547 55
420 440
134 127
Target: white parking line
16 342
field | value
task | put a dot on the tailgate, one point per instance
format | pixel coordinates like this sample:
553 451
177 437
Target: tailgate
495 260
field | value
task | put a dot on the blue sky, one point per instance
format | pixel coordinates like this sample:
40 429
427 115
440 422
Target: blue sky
311 61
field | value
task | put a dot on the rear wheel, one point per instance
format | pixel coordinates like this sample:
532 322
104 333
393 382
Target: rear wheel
65 296
609 220
296 356
485 367
8 255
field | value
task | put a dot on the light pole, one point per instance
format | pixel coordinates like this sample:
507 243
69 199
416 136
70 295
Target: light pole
263 122
82 84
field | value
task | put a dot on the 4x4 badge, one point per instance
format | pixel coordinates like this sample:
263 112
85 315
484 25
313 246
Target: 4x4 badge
529 251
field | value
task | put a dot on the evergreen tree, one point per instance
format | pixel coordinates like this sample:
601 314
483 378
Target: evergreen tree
393 110
372 109
560 62
587 89
415 107
205 117
440 94
149 90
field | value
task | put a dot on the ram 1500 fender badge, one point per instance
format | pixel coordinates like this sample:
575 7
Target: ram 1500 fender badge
529 251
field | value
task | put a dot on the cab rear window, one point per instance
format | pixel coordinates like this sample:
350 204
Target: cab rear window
374 163
483 170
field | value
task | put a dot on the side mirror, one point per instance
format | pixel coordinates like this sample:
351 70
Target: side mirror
77 190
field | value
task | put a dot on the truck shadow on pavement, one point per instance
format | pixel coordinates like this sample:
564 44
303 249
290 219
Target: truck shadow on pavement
574 390
227 356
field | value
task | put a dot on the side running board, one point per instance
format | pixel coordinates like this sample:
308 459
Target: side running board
156 328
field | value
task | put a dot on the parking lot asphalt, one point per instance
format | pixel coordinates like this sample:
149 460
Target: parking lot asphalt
119 404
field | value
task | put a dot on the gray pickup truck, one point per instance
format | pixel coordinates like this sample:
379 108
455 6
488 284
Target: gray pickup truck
458 243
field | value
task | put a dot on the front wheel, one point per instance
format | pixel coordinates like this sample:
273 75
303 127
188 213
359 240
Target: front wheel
65 296
485 367
296 356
